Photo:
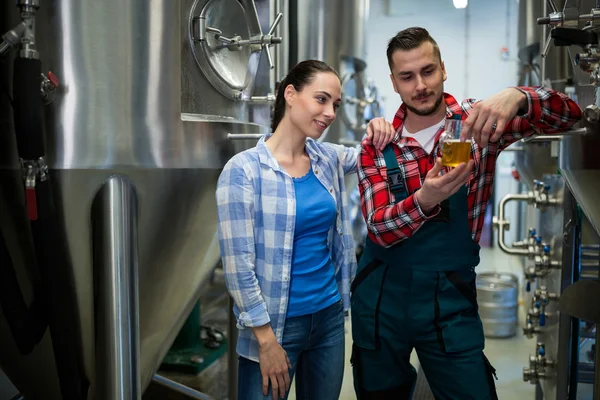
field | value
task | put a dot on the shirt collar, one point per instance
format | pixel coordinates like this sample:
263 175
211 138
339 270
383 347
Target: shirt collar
452 107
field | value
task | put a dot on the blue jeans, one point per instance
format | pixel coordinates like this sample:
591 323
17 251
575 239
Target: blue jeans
315 346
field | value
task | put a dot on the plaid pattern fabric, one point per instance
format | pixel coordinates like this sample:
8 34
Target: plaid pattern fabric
388 223
257 214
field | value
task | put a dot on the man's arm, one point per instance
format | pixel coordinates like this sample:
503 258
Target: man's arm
389 223
516 113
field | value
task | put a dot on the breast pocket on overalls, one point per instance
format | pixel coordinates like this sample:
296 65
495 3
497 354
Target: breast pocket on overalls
365 299
458 317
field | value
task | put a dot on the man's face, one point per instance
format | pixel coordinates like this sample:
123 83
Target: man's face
418 77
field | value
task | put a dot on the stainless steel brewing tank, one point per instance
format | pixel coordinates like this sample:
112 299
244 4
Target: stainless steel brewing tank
130 103
498 300
337 36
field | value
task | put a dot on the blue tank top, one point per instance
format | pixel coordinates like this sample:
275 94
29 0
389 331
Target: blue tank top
313 286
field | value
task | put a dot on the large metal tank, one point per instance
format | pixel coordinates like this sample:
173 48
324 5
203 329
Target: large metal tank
555 367
338 30
535 159
138 131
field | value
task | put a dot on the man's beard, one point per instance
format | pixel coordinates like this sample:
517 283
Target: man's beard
428 111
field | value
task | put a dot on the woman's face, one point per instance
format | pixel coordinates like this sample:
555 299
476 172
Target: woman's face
313 108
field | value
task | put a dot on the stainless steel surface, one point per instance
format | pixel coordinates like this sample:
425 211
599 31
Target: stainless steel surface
244 136
132 102
558 229
585 185
580 166
534 161
114 227
550 230
581 300
232 358
570 240
184 392
538 159
558 136
498 300
337 36
231 66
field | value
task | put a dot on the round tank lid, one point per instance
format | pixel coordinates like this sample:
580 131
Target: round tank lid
230 68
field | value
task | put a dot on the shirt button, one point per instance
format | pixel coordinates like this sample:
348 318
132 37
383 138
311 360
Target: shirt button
330 190
316 172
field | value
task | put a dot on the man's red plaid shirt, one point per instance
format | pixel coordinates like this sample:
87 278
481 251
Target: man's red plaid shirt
388 223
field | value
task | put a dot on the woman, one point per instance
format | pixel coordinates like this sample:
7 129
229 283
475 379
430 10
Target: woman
286 243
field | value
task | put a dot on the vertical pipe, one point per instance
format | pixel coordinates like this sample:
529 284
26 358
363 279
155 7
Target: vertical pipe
232 364
114 227
542 44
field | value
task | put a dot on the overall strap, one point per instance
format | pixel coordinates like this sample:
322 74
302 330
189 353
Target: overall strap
394 173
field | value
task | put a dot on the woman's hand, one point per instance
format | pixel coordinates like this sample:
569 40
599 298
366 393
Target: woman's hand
274 366
380 133
274 362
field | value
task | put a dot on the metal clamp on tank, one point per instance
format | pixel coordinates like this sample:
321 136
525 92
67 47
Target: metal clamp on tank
540 199
236 43
537 365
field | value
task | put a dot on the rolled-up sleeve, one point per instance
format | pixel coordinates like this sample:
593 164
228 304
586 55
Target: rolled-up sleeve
235 204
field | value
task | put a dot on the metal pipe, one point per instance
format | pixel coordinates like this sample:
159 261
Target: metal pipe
232 363
556 137
116 281
501 222
515 149
269 98
179 388
244 136
544 34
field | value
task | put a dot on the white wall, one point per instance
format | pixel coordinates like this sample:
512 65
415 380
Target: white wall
480 51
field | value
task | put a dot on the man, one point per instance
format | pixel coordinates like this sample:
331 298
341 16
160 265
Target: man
415 284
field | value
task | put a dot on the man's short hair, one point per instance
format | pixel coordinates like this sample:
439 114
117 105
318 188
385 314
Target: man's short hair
409 39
